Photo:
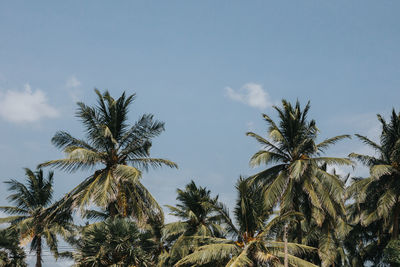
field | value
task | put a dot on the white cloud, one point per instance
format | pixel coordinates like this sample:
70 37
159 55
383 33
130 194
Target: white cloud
73 82
251 94
25 106
72 86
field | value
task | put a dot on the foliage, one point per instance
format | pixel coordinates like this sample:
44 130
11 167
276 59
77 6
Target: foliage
297 178
11 254
375 209
114 242
197 218
29 215
117 151
255 240
392 253
298 201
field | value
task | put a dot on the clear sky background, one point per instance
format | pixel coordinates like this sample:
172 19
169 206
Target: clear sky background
208 69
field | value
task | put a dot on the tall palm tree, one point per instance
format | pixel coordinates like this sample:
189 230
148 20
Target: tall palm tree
117 151
254 241
365 243
384 180
113 242
329 237
295 178
29 215
197 218
374 208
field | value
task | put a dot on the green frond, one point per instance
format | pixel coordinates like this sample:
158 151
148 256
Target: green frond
264 157
63 139
291 215
364 159
274 191
174 229
128 173
331 141
293 248
145 163
295 261
378 171
387 202
367 219
209 254
276 135
268 145
11 219
334 161
267 176
297 169
242 260
358 189
312 194
370 143
13 210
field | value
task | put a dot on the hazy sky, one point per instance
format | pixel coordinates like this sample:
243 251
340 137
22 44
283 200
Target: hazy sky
208 69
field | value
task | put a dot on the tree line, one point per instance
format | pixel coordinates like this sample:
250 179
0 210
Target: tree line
297 211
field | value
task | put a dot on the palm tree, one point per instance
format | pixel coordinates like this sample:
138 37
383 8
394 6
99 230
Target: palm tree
255 240
113 242
153 228
365 244
374 207
121 151
11 254
29 215
329 237
197 218
384 180
295 178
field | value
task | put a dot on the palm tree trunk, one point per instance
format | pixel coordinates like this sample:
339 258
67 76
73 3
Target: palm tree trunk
39 252
286 264
395 233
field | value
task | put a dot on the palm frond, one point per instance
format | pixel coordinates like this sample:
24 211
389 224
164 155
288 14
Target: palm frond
331 141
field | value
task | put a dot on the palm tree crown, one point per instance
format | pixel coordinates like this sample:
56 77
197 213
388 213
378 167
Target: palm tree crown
119 152
113 242
197 218
29 215
296 179
382 188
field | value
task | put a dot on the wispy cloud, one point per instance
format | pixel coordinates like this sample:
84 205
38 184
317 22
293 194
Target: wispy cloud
251 94
73 82
25 106
73 86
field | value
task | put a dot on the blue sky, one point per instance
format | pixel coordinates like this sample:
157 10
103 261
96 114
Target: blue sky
206 68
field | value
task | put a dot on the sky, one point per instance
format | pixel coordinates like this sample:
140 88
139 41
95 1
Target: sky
208 69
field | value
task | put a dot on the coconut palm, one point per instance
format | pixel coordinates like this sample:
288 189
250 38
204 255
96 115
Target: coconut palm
383 185
29 215
153 228
255 240
197 218
11 254
295 178
119 154
365 244
329 237
374 208
113 242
